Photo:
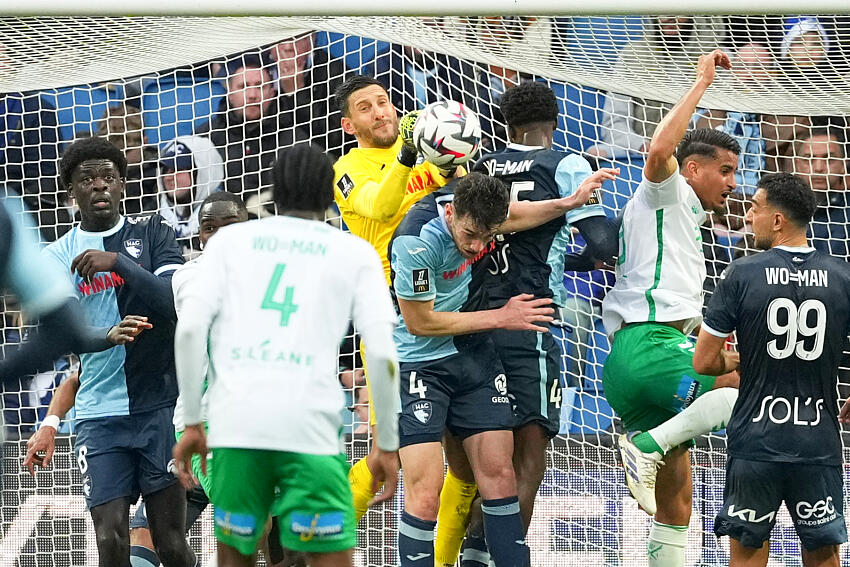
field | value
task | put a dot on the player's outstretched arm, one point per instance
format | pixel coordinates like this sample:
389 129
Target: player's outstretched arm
525 215
660 160
41 445
520 313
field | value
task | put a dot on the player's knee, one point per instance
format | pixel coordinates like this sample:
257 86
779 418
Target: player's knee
496 480
111 540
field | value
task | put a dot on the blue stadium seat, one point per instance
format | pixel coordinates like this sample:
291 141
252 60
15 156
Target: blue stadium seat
359 52
176 107
584 412
79 108
615 195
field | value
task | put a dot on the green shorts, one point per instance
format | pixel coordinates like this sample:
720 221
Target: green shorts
649 375
309 493
204 479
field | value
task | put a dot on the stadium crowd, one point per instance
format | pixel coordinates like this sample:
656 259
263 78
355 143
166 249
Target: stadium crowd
281 95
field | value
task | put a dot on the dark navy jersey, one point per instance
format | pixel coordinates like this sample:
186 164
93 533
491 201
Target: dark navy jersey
426 265
532 261
139 376
790 309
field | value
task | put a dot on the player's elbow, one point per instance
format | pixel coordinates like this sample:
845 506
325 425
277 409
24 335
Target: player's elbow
702 365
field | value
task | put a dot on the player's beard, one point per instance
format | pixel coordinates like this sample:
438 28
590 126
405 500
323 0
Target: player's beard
385 140
762 242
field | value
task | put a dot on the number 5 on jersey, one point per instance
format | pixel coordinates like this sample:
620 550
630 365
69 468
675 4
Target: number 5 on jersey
286 307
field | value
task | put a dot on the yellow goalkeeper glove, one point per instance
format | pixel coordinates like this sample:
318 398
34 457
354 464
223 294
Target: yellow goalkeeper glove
408 153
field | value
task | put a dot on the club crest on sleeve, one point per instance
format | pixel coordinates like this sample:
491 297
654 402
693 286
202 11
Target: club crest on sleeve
133 246
594 198
345 185
421 281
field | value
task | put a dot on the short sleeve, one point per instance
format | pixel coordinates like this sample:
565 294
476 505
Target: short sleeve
571 171
414 269
166 254
662 194
372 302
721 316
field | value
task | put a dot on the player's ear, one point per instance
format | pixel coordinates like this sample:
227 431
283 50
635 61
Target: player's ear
347 126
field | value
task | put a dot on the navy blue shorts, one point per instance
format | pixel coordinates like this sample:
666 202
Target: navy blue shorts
465 393
532 363
124 456
754 491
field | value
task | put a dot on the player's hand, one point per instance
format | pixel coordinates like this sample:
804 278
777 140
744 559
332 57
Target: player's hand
128 329
43 441
844 414
589 186
192 442
90 262
708 63
521 312
405 129
732 360
385 465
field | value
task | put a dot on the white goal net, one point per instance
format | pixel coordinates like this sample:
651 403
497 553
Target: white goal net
238 89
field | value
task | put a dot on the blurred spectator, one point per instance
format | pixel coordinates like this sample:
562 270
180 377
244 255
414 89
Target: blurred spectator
190 168
752 65
805 47
306 78
122 125
820 159
247 128
491 82
582 309
670 46
29 150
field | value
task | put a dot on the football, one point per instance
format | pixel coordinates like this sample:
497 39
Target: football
447 134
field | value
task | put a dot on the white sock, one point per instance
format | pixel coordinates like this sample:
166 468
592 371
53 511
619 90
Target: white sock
666 546
709 412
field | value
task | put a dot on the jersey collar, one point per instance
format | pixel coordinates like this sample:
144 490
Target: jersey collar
523 148
104 233
796 249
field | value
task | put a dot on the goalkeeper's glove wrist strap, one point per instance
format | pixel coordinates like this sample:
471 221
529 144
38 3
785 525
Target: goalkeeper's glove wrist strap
407 156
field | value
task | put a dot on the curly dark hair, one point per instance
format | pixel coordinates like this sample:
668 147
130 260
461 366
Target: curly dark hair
483 199
529 102
85 149
303 179
791 195
704 142
352 84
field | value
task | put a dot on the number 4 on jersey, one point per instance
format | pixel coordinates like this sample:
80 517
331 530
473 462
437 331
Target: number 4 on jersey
286 307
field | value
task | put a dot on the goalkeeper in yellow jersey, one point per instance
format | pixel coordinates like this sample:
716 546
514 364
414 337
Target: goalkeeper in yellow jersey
375 185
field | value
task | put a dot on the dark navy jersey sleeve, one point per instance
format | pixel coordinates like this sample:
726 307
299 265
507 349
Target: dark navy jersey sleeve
166 254
721 316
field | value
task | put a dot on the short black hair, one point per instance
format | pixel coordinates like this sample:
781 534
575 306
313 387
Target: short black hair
303 178
84 149
791 195
529 102
483 199
704 142
352 84
225 196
